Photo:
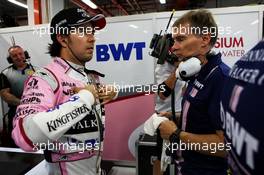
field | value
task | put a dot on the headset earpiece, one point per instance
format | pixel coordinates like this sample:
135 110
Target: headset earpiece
26 55
9 60
189 68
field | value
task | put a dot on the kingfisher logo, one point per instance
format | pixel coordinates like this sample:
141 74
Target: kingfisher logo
53 125
120 51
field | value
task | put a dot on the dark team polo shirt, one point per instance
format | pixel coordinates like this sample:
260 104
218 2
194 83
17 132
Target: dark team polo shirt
201 111
14 79
242 113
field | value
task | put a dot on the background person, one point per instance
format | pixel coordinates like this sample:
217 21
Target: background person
11 85
242 113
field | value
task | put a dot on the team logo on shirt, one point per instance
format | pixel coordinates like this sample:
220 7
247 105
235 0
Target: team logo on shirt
64 119
87 124
33 84
36 94
31 100
29 72
243 142
198 84
64 83
68 91
25 111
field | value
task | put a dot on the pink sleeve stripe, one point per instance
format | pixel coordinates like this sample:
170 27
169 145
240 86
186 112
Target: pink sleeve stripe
23 134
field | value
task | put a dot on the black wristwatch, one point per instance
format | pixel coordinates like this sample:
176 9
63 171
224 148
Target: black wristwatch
175 136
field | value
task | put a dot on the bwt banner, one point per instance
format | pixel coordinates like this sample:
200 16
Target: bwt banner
119 51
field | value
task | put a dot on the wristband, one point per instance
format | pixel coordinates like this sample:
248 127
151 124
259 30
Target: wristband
175 137
164 89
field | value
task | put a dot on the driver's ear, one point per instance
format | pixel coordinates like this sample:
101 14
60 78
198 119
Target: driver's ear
63 40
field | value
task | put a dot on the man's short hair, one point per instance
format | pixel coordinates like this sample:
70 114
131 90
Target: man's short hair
202 19
13 47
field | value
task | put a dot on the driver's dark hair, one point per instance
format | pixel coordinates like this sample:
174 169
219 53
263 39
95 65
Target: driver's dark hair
54 49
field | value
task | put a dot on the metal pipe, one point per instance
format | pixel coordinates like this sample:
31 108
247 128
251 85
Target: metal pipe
120 7
135 1
89 9
132 6
84 6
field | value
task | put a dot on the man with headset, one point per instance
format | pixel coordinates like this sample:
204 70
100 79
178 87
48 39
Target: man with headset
12 82
62 106
199 135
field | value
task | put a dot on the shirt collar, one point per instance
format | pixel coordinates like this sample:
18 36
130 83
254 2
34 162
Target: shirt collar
66 65
213 60
76 66
27 67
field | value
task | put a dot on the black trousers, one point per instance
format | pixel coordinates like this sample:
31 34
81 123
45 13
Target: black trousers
11 114
197 171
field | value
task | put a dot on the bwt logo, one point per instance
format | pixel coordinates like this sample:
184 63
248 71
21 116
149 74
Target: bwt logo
103 51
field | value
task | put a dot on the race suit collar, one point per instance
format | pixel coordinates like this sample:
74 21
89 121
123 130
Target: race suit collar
66 65
76 66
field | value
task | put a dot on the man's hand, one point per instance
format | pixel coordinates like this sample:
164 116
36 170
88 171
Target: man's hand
90 88
165 114
107 93
9 98
167 128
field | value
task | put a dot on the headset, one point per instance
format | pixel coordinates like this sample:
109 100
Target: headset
190 67
9 59
161 45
